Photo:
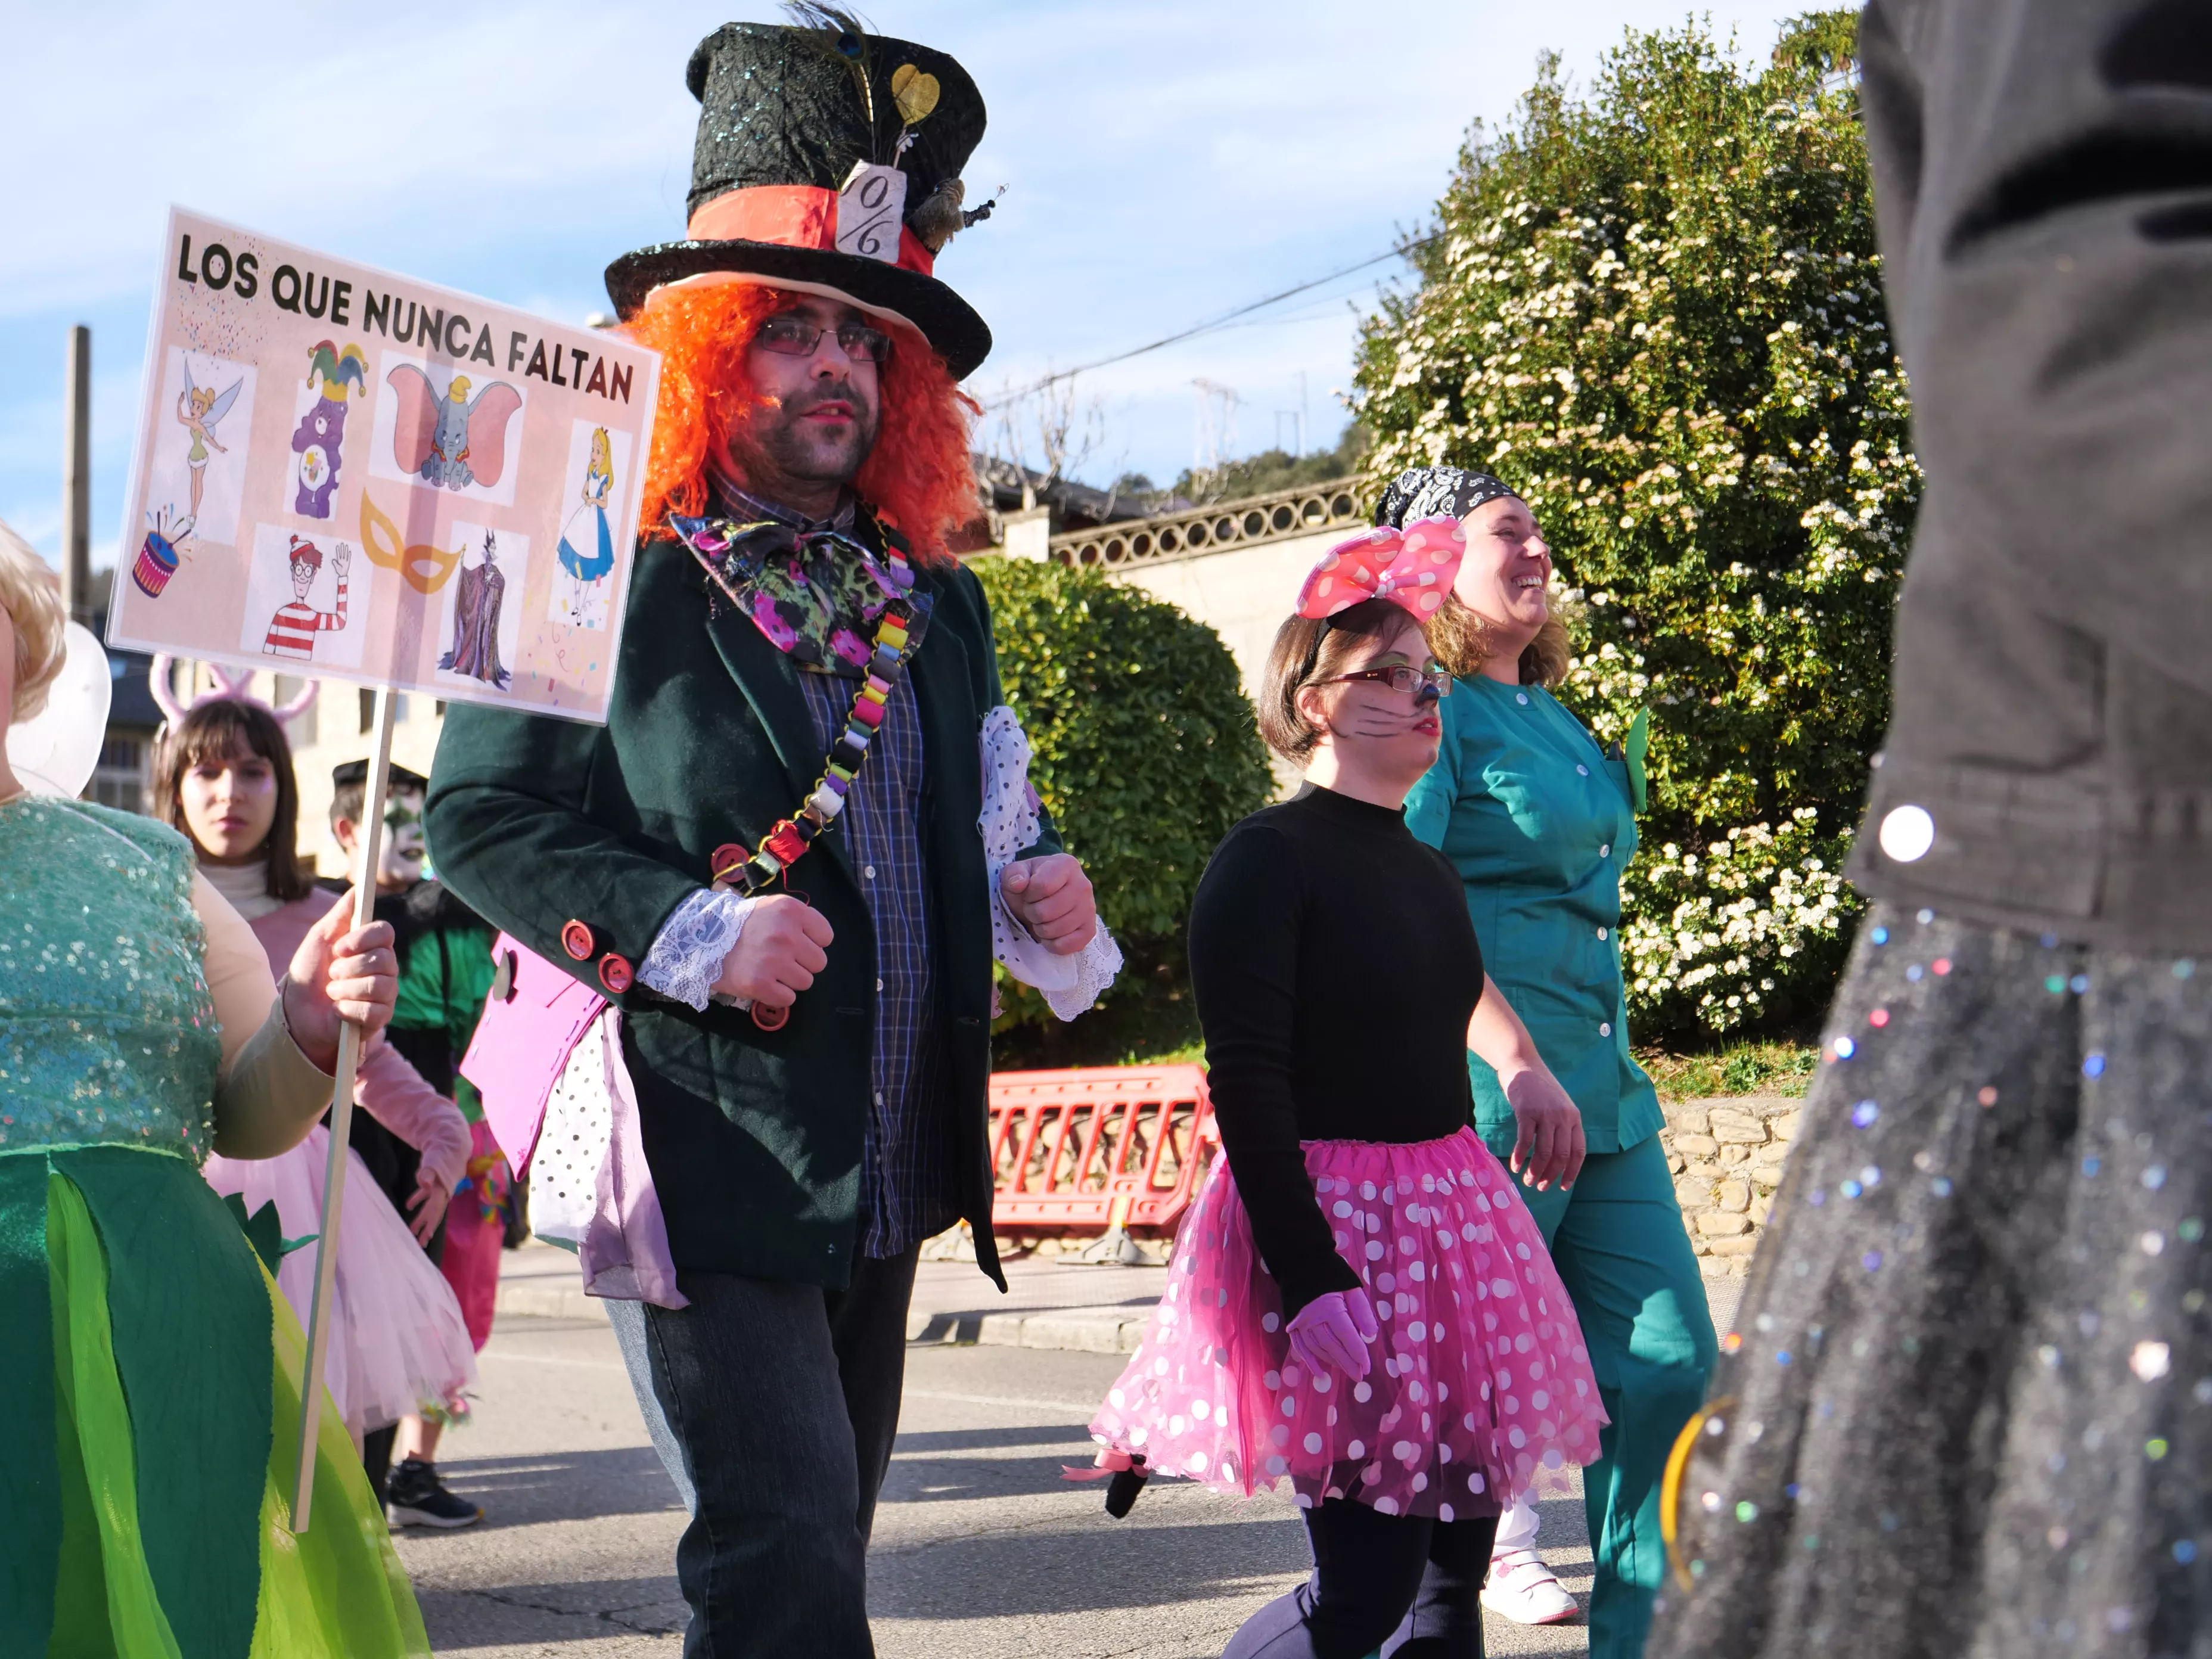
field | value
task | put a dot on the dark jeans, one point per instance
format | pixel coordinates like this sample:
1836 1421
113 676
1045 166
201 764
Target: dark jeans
773 1405
1376 1576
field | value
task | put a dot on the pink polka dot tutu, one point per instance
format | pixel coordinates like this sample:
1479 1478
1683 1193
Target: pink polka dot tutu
1479 1382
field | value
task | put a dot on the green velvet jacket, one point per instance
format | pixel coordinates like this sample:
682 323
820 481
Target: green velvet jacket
754 1137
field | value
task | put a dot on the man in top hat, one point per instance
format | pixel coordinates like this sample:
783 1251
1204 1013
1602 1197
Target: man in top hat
769 859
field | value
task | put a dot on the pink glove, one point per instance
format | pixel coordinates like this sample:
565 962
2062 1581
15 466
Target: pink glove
1335 1330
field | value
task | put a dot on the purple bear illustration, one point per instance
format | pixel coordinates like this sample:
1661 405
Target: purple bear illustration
321 430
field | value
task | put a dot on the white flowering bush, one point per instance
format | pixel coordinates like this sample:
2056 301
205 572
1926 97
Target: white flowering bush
1656 311
1711 938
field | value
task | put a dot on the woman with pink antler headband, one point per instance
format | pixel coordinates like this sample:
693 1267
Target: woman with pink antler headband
1360 1303
224 777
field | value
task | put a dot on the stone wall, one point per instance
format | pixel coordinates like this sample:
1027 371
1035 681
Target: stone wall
1727 1157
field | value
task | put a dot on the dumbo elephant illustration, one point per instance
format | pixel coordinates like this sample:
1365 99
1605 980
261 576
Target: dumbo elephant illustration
453 439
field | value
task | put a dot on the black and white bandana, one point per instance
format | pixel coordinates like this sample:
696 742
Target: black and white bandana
1436 492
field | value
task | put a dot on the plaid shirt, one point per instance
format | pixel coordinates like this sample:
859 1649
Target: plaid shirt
906 1165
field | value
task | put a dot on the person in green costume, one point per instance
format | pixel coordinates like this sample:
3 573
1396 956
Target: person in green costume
1540 820
154 1371
445 974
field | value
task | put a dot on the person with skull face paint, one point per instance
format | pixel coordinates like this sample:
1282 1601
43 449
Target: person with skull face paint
445 973
1539 820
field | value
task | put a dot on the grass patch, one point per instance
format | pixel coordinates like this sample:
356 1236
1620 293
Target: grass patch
1738 1068
1191 1054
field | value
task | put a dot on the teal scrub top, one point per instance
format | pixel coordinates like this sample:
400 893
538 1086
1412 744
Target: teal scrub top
1538 821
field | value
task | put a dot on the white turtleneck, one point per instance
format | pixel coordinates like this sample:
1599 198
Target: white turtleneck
245 886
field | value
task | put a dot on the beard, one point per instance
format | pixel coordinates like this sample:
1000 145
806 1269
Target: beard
782 436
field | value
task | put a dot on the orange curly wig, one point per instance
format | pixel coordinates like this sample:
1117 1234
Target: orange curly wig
918 478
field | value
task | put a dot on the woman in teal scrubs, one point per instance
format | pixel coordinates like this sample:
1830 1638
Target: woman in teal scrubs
1540 822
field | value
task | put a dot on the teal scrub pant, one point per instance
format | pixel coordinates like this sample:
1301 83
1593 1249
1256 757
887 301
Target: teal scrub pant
1618 1240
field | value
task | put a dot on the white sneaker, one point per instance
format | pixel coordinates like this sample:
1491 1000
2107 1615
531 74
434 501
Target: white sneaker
1522 1588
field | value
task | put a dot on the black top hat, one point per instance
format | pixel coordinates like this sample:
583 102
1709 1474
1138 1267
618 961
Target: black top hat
787 117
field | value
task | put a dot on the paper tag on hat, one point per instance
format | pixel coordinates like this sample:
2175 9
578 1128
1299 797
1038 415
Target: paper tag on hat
870 210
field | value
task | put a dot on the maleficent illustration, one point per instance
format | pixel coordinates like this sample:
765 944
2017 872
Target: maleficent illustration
481 588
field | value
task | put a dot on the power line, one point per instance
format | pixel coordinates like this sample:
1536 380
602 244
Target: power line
1226 318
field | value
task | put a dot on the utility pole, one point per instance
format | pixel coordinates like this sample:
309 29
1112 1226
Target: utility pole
1217 426
76 478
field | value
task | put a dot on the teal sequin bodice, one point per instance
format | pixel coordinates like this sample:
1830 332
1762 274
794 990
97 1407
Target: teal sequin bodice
107 1033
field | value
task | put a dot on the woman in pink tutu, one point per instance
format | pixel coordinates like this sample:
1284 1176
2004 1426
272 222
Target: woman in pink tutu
1359 1303
399 1344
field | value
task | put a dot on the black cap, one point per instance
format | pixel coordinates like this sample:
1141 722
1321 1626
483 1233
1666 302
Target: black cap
355 774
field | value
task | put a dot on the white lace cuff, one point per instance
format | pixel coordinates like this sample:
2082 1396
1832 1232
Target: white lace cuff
1096 965
687 957
1011 822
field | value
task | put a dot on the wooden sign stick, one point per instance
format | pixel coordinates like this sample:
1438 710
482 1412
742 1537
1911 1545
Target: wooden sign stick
370 840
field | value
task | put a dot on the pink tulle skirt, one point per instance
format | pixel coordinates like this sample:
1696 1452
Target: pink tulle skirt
1479 1382
397 1340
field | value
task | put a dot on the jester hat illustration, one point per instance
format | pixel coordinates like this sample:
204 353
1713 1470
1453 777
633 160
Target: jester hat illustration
786 112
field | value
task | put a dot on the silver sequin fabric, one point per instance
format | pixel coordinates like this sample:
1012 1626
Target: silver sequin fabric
1966 1409
107 1033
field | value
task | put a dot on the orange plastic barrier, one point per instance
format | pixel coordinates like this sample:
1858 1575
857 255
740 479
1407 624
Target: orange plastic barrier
1113 1145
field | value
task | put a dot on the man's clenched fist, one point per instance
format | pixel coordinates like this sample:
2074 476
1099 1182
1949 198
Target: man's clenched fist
786 942
1051 896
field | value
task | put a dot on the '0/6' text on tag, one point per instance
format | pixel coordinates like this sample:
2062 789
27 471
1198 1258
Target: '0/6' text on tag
870 209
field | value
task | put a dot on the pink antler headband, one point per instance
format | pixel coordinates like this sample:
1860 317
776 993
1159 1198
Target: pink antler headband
1413 569
231 685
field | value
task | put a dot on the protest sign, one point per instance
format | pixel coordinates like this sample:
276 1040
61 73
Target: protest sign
343 474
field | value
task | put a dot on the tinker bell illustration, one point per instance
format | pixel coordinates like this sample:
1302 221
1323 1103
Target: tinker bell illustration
581 600
200 409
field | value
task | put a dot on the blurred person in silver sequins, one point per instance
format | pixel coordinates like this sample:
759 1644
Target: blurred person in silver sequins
1966 1410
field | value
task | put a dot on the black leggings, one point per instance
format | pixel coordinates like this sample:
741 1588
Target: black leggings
1371 1571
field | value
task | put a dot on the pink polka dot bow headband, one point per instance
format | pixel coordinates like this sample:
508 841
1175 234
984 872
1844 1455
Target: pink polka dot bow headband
1412 567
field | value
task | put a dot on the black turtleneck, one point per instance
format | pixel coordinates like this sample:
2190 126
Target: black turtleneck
1335 970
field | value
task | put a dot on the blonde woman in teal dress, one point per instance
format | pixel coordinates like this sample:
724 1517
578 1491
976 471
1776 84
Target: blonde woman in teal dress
153 1374
1540 820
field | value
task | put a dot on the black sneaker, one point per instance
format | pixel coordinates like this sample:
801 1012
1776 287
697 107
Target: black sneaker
416 1498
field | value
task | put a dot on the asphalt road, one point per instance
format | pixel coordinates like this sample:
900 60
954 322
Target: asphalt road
981 1548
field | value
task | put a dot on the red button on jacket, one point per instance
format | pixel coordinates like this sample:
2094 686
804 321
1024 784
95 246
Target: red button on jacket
615 973
576 939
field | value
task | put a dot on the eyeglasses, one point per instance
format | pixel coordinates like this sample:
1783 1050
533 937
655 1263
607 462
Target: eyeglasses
1435 678
789 334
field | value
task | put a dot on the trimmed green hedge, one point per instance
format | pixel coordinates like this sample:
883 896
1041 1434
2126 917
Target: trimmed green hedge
1145 756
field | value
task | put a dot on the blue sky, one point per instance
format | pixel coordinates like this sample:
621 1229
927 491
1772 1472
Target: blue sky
1166 163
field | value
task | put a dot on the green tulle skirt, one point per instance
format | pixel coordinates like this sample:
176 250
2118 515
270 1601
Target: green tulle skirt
154 1371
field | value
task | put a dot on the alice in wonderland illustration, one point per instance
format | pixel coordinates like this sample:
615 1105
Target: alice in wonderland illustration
321 430
480 591
293 630
451 439
580 590
200 410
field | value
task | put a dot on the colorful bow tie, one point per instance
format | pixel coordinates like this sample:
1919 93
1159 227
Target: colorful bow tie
816 593
1412 567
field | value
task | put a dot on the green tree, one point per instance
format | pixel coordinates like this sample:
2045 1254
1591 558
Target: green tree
1146 755
1656 310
